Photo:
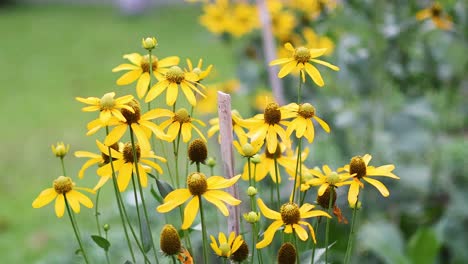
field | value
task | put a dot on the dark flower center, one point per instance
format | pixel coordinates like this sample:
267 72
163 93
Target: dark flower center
128 153
306 111
129 116
290 213
145 63
358 166
272 114
197 183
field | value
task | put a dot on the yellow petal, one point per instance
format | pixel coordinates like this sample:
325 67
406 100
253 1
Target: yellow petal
134 58
129 77
301 232
169 61
190 212
353 192
124 67
125 173
142 85
267 212
59 205
271 139
186 132
323 124
322 189
173 131
289 47
382 189
287 68
72 201
141 137
188 93
171 94
156 90
269 234
218 182
280 61
314 74
326 64
223 196
174 199
423 14
44 198
115 135
218 203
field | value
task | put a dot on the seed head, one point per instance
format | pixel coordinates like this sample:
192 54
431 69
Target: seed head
272 114
324 200
358 166
306 110
175 75
287 254
197 151
196 183
290 213
302 54
170 240
129 116
128 152
63 184
241 253
275 155
182 116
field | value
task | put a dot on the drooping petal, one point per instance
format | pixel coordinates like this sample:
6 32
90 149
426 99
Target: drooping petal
315 213
186 132
218 182
115 135
267 212
301 232
323 124
125 173
280 61
141 137
322 189
210 197
188 93
306 208
269 234
125 67
377 184
59 205
287 68
171 94
129 77
190 212
271 139
223 196
169 61
314 74
44 198
174 199
72 201
353 192
327 64
156 90
142 85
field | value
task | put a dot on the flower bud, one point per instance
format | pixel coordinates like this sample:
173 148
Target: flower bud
255 159
252 191
211 162
252 217
287 254
106 227
60 150
248 150
149 43
357 205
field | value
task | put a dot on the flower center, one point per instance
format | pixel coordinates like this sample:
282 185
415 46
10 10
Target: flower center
272 114
128 153
197 151
275 155
175 75
290 213
129 116
225 249
241 253
182 116
287 253
63 184
145 63
170 240
333 178
196 183
436 10
358 166
306 110
107 101
105 157
302 55
324 200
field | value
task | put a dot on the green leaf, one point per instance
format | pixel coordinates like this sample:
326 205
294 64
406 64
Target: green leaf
101 242
423 246
164 187
146 238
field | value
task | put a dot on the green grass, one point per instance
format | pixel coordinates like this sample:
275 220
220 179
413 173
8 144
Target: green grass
49 55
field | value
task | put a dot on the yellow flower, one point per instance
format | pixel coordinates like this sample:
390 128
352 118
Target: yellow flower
262 99
291 218
63 190
209 104
435 13
302 123
179 122
314 41
245 148
214 16
300 59
327 178
125 164
282 21
199 186
60 150
96 124
107 105
226 246
99 159
359 167
266 127
236 119
140 68
243 19
202 74
171 81
138 123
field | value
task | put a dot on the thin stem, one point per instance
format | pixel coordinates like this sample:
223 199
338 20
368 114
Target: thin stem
277 183
205 254
107 252
135 196
145 212
250 172
314 244
211 170
63 166
75 230
299 89
298 261
119 204
198 166
188 243
174 261
96 212
298 169
327 228
176 156
351 235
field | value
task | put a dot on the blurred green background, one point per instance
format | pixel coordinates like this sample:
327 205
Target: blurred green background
401 95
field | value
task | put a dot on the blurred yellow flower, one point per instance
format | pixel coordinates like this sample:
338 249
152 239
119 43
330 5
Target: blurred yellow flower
63 190
314 41
171 81
140 68
283 21
126 164
226 246
291 218
236 127
327 178
261 99
359 167
199 186
435 13
180 122
302 122
107 105
300 59
202 74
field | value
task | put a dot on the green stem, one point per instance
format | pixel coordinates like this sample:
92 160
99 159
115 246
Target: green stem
351 236
174 261
298 169
176 157
298 261
188 243
299 90
198 166
75 230
135 196
250 172
107 252
314 244
278 200
96 212
63 166
327 228
145 212
211 170
119 204
205 254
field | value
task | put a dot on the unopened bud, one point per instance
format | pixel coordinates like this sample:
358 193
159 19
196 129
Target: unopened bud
252 217
211 162
357 205
252 191
255 159
149 43
106 227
